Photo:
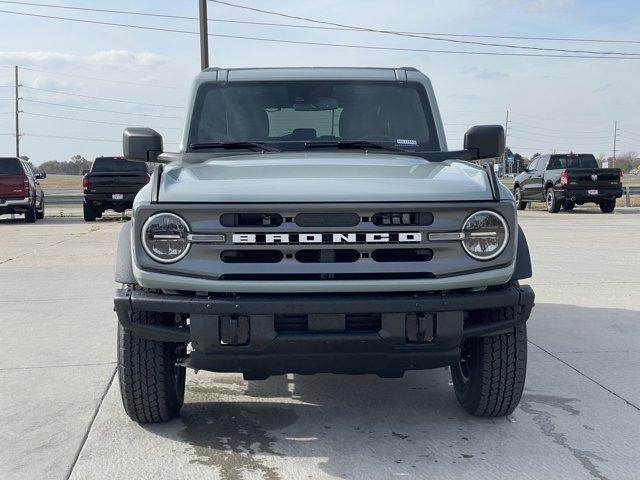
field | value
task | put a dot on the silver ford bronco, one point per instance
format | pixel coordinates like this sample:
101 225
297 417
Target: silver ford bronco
314 220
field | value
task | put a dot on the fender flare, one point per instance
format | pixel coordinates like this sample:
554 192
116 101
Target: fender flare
523 258
124 266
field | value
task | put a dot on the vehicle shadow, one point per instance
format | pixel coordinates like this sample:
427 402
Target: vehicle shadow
374 428
48 221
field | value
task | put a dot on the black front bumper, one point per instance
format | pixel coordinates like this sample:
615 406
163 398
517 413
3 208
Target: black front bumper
265 350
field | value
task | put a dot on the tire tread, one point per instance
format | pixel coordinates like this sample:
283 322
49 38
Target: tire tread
146 373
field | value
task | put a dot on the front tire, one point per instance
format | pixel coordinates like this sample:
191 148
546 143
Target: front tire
553 205
489 379
151 384
607 206
88 212
517 194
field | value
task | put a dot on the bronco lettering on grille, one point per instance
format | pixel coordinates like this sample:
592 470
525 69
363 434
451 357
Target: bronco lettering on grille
327 238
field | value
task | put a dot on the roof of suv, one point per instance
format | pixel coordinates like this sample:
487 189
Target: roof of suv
308 73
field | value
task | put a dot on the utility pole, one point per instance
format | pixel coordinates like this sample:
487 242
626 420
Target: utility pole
504 153
17 113
204 36
615 140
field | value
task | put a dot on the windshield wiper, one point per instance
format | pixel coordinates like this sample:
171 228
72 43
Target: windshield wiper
253 146
352 145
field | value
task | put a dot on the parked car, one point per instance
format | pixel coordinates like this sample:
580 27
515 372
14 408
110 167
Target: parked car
314 221
20 191
567 180
112 183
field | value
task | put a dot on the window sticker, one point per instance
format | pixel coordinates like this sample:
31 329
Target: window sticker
404 141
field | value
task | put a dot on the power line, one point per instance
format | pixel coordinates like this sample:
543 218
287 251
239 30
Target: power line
98 79
566 136
93 121
631 135
520 137
554 129
101 98
99 109
317 27
324 44
41 135
412 35
537 149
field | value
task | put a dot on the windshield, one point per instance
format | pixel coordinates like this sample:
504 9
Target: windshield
109 164
572 161
289 113
10 166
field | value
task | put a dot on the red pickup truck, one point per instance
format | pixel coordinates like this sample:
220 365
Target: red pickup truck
20 192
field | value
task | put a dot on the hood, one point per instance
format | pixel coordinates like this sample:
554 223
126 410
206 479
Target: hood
298 177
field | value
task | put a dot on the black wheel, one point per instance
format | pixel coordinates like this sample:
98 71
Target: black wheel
607 206
30 215
520 204
553 206
489 379
568 206
40 212
151 384
89 213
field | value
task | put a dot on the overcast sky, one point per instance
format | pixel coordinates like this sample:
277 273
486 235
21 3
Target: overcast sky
563 104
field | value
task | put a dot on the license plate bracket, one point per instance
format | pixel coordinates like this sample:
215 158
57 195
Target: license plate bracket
592 191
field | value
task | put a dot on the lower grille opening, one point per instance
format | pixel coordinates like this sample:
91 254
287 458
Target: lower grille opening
327 256
360 323
366 322
402 255
251 256
290 323
327 276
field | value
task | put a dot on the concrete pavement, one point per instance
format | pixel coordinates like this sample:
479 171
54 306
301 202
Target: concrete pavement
580 416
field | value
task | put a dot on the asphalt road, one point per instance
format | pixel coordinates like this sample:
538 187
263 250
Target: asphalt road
61 417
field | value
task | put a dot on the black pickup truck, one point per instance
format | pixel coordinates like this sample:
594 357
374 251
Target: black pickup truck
567 180
112 183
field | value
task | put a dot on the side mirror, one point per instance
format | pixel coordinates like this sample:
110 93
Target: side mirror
141 144
84 172
41 175
487 140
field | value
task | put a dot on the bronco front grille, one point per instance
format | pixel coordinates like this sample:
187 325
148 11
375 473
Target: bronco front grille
315 242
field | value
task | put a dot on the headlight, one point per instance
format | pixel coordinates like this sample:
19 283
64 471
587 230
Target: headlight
164 237
485 235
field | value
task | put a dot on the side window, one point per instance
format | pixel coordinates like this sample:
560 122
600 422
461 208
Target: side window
542 163
533 165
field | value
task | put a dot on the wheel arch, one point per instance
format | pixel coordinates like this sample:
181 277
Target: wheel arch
523 258
124 263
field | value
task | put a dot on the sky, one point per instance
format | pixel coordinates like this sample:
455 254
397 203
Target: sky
562 104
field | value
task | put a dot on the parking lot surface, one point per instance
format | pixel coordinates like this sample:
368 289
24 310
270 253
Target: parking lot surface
61 414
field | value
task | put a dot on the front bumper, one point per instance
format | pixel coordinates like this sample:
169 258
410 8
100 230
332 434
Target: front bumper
325 346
